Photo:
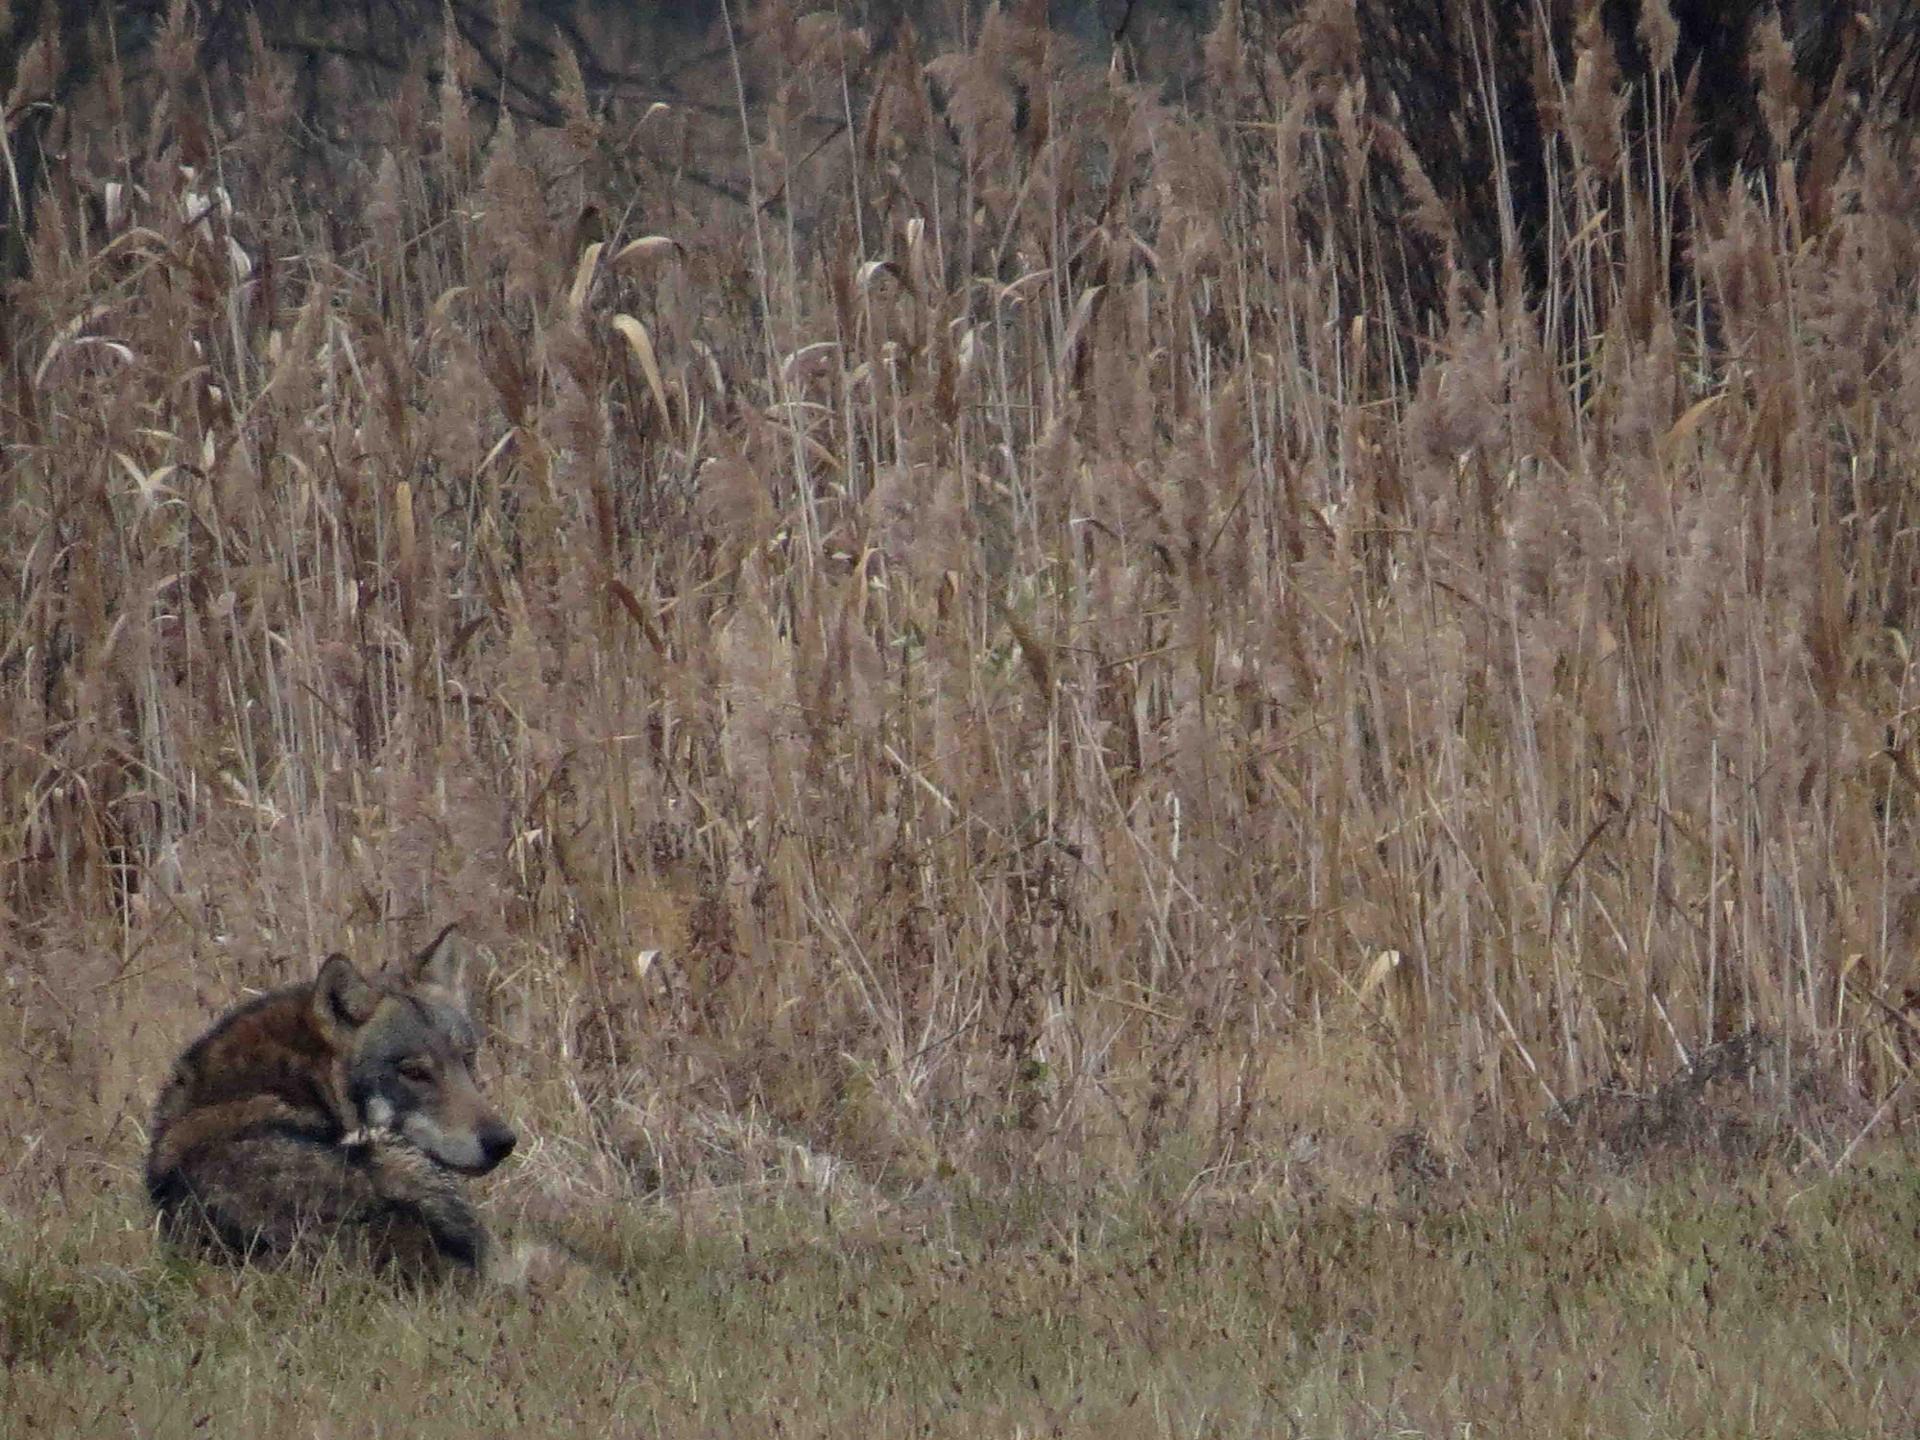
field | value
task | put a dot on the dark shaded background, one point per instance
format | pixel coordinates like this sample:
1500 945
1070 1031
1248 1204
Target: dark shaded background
1436 71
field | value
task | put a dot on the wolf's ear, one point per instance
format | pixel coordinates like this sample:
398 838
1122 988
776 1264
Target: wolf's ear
342 998
443 963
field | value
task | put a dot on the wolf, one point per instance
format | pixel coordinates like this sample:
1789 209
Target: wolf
336 1114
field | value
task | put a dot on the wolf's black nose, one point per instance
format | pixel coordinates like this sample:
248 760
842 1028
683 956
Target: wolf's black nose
496 1143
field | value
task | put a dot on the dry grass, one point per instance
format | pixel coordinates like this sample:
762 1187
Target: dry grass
1008 661
1690 1309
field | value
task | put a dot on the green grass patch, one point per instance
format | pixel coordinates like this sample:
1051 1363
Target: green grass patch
1698 1307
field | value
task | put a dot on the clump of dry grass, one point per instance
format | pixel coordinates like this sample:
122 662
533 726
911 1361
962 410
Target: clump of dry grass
998 658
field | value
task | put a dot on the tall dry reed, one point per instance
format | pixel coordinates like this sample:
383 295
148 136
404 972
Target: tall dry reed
1010 650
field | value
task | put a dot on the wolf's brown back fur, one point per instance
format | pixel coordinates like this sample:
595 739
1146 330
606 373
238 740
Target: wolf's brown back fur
332 1114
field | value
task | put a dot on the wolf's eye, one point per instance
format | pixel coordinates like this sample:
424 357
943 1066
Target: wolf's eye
417 1069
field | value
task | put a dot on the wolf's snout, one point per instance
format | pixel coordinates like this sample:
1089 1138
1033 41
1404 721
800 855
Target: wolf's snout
496 1143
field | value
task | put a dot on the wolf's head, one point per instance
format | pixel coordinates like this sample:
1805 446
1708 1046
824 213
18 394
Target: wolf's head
406 1052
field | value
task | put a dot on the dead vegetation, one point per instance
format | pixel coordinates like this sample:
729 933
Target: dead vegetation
1009 654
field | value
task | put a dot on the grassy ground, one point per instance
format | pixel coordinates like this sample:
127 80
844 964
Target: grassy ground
1698 1306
